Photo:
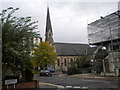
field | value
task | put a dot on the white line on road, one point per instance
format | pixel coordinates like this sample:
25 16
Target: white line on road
76 87
68 86
58 86
85 87
90 80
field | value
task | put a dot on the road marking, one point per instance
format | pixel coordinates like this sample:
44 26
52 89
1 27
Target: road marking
68 86
58 86
76 87
85 87
91 80
87 80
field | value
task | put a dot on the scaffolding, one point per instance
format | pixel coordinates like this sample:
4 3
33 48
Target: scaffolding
106 32
105 29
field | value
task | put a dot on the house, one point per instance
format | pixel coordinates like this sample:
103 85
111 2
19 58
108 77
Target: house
35 41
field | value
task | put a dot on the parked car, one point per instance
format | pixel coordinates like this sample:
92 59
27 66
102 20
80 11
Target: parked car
45 73
52 70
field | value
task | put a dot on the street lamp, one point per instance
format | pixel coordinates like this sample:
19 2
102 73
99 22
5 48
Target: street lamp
92 65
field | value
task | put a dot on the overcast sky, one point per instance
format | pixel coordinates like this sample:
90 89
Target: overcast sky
69 19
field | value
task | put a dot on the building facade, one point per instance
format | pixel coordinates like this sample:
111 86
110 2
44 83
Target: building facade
105 34
69 53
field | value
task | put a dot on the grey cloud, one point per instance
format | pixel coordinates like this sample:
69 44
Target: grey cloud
69 19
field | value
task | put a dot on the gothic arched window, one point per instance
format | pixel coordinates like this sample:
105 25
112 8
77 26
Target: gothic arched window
71 61
65 61
58 62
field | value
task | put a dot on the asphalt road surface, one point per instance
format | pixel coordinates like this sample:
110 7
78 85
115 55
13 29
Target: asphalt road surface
67 80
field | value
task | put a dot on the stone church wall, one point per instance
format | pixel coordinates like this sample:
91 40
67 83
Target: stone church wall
64 62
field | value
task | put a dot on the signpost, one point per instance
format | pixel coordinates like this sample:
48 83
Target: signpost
10 81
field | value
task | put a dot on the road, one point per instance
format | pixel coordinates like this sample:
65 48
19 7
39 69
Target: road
67 80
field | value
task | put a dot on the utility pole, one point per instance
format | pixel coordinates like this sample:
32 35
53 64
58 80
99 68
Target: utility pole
103 60
117 61
0 55
119 5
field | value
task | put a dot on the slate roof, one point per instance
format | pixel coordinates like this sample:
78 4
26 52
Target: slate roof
48 21
72 49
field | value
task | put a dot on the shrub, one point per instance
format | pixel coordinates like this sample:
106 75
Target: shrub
73 70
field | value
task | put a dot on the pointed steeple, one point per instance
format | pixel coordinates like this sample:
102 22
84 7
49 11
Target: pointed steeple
48 22
48 33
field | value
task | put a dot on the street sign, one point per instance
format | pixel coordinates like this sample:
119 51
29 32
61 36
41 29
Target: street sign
10 81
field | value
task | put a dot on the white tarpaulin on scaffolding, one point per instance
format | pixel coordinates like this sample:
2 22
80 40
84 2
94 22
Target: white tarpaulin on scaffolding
105 29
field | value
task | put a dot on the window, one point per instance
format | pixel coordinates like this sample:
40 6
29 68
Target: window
58 62
65 62
37 41
71 61
49 35
114 47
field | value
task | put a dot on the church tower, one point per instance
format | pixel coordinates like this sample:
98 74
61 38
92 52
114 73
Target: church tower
48 33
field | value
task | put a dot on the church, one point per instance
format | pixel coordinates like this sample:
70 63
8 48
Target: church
67 52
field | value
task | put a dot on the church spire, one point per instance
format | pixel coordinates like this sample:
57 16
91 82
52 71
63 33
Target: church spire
48 33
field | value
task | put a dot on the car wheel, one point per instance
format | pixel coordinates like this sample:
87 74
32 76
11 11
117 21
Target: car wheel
49 75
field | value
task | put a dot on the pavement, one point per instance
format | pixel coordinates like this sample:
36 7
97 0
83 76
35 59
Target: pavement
91 76
57 73
95 76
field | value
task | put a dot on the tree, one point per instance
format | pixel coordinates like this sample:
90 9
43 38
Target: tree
82 62
44 54
17 35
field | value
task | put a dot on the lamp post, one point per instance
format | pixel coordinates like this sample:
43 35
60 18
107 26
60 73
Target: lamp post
92 66
104 69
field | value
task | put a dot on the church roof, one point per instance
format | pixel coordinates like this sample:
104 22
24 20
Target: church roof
72 49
